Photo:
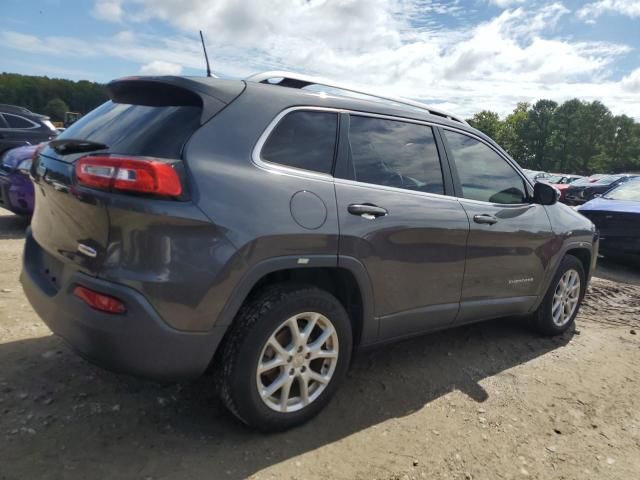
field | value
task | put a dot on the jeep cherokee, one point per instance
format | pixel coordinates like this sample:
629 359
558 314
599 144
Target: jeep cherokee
265 230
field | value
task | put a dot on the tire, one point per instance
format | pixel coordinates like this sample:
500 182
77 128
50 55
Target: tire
271 315
543 319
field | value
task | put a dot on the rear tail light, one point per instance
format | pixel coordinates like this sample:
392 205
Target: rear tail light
99 301
128 174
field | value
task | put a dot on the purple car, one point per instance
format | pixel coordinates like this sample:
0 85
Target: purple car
16 189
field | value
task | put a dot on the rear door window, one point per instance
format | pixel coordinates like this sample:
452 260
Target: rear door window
484 175
15 121
303 139
154 131
395 154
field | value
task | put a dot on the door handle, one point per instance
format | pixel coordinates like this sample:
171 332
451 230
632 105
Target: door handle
485 219
366 210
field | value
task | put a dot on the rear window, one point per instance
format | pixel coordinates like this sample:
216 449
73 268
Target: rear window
629 191
607 180
304 140
138 129
15 121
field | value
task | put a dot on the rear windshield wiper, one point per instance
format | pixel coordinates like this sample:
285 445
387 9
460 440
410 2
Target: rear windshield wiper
69 145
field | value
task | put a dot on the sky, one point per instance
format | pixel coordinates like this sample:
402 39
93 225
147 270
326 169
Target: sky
461 55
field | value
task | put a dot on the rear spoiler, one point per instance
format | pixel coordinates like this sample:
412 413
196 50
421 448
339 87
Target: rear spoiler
211 94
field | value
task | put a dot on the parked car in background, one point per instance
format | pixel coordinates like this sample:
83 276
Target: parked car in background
616 215
266 232
16 189
19 127
577 194
561 178
562 182
535 175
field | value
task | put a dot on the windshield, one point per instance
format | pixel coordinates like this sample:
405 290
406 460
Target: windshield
607 180
555 179
581 181
627 191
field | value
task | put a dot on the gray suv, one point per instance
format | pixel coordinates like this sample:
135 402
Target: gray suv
264 229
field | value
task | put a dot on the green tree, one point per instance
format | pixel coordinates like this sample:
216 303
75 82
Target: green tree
56 108
511 135
35 93
487 122
565 136
537 133
595 131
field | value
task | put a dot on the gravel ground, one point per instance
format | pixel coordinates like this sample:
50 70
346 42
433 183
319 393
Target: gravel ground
486 401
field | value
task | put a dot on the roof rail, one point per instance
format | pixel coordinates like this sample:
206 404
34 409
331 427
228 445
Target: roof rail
296 80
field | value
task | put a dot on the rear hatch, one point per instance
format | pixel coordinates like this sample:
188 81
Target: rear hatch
147 119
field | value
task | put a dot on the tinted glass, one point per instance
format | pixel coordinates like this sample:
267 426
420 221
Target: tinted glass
484 175
608 180
581 182
627 191
17 122
137 129
395 154
303 140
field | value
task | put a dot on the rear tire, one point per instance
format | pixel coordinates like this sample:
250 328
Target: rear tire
560 306
284 356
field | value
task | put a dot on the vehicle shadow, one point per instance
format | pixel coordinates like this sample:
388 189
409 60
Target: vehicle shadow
88 423
12 226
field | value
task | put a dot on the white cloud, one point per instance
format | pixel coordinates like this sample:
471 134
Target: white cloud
110 10
160 67
631 83
505 3
392 46
591 11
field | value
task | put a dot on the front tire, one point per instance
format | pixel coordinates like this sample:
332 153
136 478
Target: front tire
285 354
560 306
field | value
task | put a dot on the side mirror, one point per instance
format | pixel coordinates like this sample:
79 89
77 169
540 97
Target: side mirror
545 194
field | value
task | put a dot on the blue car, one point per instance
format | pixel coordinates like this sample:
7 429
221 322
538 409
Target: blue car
16 189
616 215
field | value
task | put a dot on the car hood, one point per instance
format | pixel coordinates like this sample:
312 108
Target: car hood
606 205
12 158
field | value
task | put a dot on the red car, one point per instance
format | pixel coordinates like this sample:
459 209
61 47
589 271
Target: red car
562 181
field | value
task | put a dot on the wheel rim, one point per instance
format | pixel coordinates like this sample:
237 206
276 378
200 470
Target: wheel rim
297 362
565 298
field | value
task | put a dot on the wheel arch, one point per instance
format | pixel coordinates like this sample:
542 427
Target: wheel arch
583 251
345 278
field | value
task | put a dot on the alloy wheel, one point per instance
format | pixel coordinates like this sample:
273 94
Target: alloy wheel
297 362
566 298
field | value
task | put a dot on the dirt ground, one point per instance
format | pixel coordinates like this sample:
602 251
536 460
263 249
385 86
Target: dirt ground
487 401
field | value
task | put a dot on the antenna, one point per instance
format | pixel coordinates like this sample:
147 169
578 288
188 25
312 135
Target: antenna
206 57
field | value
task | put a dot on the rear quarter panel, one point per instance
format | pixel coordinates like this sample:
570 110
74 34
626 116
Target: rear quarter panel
250 205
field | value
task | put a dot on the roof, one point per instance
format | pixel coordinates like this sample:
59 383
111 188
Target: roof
299 81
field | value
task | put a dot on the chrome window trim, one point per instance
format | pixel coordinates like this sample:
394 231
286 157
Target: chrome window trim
5 114
298 172
256 155
510 162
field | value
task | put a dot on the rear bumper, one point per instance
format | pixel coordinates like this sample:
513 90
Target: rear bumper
16 193
137 342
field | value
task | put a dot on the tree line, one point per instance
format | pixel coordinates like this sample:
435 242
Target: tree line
574 137
51 96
